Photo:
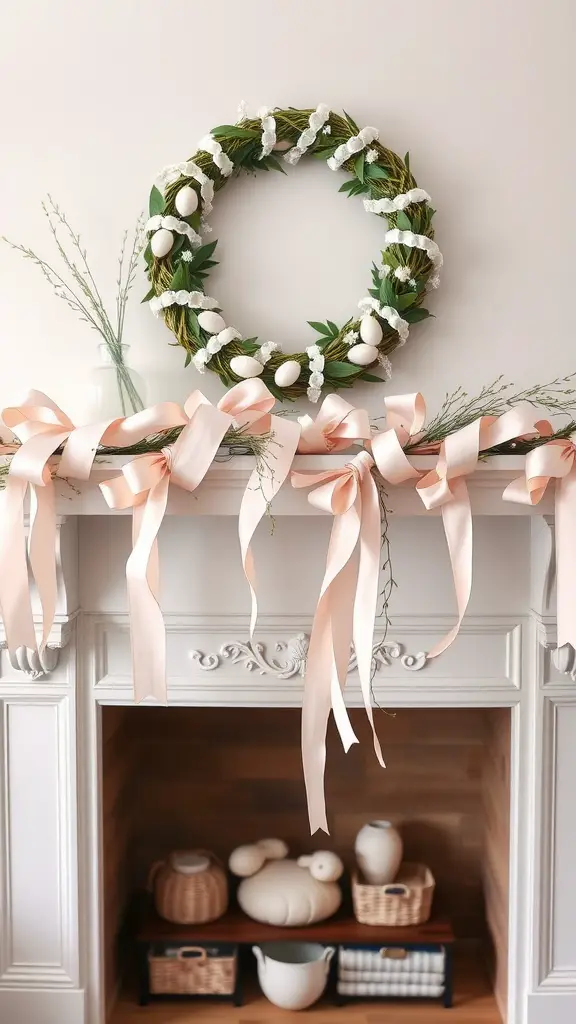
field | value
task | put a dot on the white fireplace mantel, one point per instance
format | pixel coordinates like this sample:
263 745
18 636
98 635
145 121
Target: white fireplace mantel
50 828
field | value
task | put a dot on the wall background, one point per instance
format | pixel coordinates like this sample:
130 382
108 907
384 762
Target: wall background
99 97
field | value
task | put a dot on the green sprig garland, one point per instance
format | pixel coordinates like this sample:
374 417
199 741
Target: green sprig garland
386 177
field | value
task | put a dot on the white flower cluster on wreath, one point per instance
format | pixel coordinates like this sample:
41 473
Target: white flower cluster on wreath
194 300
354 145
397 237
266 350
316 121
316 363
174 224
268 131
213 345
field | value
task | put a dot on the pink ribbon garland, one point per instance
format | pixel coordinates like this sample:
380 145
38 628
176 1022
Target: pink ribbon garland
143 486
555 460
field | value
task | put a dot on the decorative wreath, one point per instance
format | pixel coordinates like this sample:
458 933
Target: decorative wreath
179 262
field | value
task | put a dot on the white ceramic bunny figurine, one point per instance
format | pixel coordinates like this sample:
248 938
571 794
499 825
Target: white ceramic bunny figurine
286 892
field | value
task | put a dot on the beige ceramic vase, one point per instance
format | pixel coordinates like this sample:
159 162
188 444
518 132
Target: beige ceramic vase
378 849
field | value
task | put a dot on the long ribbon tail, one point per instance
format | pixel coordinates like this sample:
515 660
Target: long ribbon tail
366 602
14 583
41 553
566 559
262 487
321 670
148 633
457 519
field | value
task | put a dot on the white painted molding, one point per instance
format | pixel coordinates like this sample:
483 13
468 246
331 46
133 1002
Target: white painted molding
294 654
40 664
38 873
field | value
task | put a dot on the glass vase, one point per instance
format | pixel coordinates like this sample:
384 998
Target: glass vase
117 390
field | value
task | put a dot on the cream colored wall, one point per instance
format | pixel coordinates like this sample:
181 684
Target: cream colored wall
96 97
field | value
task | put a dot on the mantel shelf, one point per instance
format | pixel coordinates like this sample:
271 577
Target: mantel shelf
221 491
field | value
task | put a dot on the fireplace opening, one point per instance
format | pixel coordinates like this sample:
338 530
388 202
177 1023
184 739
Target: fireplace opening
216 778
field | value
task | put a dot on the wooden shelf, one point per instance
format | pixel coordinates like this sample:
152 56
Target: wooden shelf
238 928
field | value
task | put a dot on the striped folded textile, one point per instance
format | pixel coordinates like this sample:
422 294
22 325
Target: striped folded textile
372 960
405 989
369 977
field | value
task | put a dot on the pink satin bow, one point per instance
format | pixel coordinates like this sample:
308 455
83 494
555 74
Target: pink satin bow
445 488
336 427
143 486
346 611
250 405
42 427
555 460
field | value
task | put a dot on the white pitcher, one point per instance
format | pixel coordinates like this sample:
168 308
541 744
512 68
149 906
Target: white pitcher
293 975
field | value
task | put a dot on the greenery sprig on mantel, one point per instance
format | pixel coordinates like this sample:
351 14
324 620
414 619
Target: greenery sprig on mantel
179 262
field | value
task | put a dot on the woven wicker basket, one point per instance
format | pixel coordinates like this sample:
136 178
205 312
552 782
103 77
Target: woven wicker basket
189 898
192 973
406 901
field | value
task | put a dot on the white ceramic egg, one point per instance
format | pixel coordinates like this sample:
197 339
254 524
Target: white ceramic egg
363 355
161 242
211 322
370 330
246 366
186 201
287 373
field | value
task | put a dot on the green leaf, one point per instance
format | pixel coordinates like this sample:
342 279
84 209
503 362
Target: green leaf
347 185
324 154
371 378
202 254
416 314
148 255
408 299
334 328
375 171
403 221
357 189
180 278
274 164
359 167
337 369
192 321
387 293
188 359
407 161
157 203
232 131
278 394
194 220
149 295
320 328
178 243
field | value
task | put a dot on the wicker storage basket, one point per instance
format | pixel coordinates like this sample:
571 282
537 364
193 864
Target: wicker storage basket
406 901
193 971
186 896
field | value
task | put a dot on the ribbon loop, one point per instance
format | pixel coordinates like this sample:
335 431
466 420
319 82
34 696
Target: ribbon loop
336 427
405 417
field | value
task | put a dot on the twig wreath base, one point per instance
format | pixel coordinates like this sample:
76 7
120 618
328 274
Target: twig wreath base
179 262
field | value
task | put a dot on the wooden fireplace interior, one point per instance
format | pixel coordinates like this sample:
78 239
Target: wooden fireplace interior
214 778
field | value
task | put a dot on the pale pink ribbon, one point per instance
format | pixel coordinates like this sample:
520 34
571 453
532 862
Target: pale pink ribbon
405 418
555 460
144 484
250 404
445 488
346 612
336 427
42 427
